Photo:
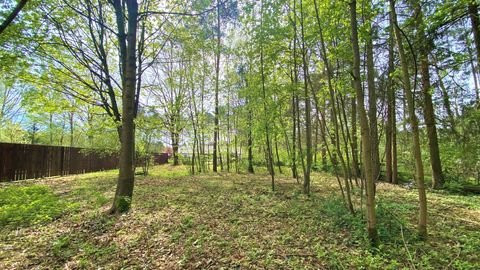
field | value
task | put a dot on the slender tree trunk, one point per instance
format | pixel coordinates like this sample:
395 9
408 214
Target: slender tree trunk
346 164
175 149
372 107
417 155
217 74
34 131
294 80
235 141
9 19
71 124
324 147
308 108
294 138
219 153
355 161
446 103
124 192
50 127
205 156
334 112
474 72
428 110
228 131
267 129
391 144
315 144
193 150
365 132
474 20
250 140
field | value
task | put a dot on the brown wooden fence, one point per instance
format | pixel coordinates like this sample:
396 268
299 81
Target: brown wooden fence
26 161
160 158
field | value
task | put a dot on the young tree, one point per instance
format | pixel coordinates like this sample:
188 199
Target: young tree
365 130
413 120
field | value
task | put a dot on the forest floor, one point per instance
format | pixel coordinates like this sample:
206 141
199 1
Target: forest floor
226 221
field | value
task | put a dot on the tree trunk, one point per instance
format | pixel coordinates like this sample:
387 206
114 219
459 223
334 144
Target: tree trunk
217 73
334 112
71 124
50 127
355 165
372 106
308 121
446 103
428 110
417 155
279 164
175 139
294 81
474 20
125 184
391 127
250 141
267 131
365 132
474 71
228 131
20 5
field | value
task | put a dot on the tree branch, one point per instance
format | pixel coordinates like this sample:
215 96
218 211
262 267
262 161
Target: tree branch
12 15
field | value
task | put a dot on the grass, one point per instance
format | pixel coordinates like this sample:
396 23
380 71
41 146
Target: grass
29 205
226 221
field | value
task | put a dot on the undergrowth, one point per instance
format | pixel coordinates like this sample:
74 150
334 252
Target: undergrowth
28 205
229 221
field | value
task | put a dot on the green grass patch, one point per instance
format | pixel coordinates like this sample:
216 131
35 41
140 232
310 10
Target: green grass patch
169 171
28 205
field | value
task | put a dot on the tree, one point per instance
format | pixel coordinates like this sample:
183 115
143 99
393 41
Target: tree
428 110
217 74
127 40
365 131
413 120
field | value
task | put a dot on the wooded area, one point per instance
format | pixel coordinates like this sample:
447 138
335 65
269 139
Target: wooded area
368 92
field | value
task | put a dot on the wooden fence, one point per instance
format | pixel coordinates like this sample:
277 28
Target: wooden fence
160 158
27 161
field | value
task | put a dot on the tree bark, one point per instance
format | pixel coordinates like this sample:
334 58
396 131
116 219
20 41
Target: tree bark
446 102
391 127
294 81
372 106
217 74
474 20
428 110
249 139
308 108
71 116
175 140
267 129
355 161
125 184
417 155
365 131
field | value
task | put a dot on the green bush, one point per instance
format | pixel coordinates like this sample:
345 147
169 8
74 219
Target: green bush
28 205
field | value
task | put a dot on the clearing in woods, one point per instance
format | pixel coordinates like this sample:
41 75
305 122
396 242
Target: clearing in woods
226 221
